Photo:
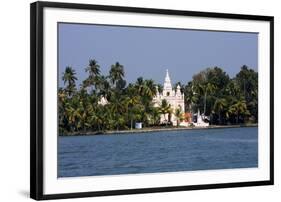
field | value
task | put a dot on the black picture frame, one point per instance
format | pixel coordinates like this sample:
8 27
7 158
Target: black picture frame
36 99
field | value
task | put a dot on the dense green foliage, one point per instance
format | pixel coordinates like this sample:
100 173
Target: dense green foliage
225 100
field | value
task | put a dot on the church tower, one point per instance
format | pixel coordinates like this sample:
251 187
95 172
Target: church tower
167 88
174 98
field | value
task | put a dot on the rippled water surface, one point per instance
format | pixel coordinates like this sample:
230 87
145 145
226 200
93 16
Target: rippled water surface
167 151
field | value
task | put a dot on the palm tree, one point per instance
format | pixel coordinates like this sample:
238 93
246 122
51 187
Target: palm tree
69 113
132 103
150 88
232 89
116 73
191 97
117 107
69 79
104 88
99 117
239 108
155 115
73 111
219 106
140 86
204 89
209 88
62 99
93 79
179 115
165 108
93 69
146 89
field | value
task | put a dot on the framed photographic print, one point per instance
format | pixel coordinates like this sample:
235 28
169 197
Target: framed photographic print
131 100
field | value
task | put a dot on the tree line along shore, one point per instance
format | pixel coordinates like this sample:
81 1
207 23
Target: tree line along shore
227 101
154 129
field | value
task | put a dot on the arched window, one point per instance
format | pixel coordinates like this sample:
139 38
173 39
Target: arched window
168 94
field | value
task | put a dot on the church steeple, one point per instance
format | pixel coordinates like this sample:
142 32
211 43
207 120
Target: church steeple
167 78
167 83
167 89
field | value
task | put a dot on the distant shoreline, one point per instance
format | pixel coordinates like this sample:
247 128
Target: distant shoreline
160 129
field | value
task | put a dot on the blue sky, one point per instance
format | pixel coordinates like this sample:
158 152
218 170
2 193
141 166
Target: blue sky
148 52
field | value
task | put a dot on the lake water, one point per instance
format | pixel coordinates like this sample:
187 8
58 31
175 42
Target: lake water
169 151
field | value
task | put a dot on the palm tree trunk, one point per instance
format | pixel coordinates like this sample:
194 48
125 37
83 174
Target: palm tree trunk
244 88
131 124
205 100
166 121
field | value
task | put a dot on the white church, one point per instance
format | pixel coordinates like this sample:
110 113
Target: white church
174 98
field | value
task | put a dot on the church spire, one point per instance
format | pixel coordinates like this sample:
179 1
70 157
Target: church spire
167 78
167 84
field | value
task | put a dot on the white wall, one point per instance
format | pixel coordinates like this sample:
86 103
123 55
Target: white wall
14 100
